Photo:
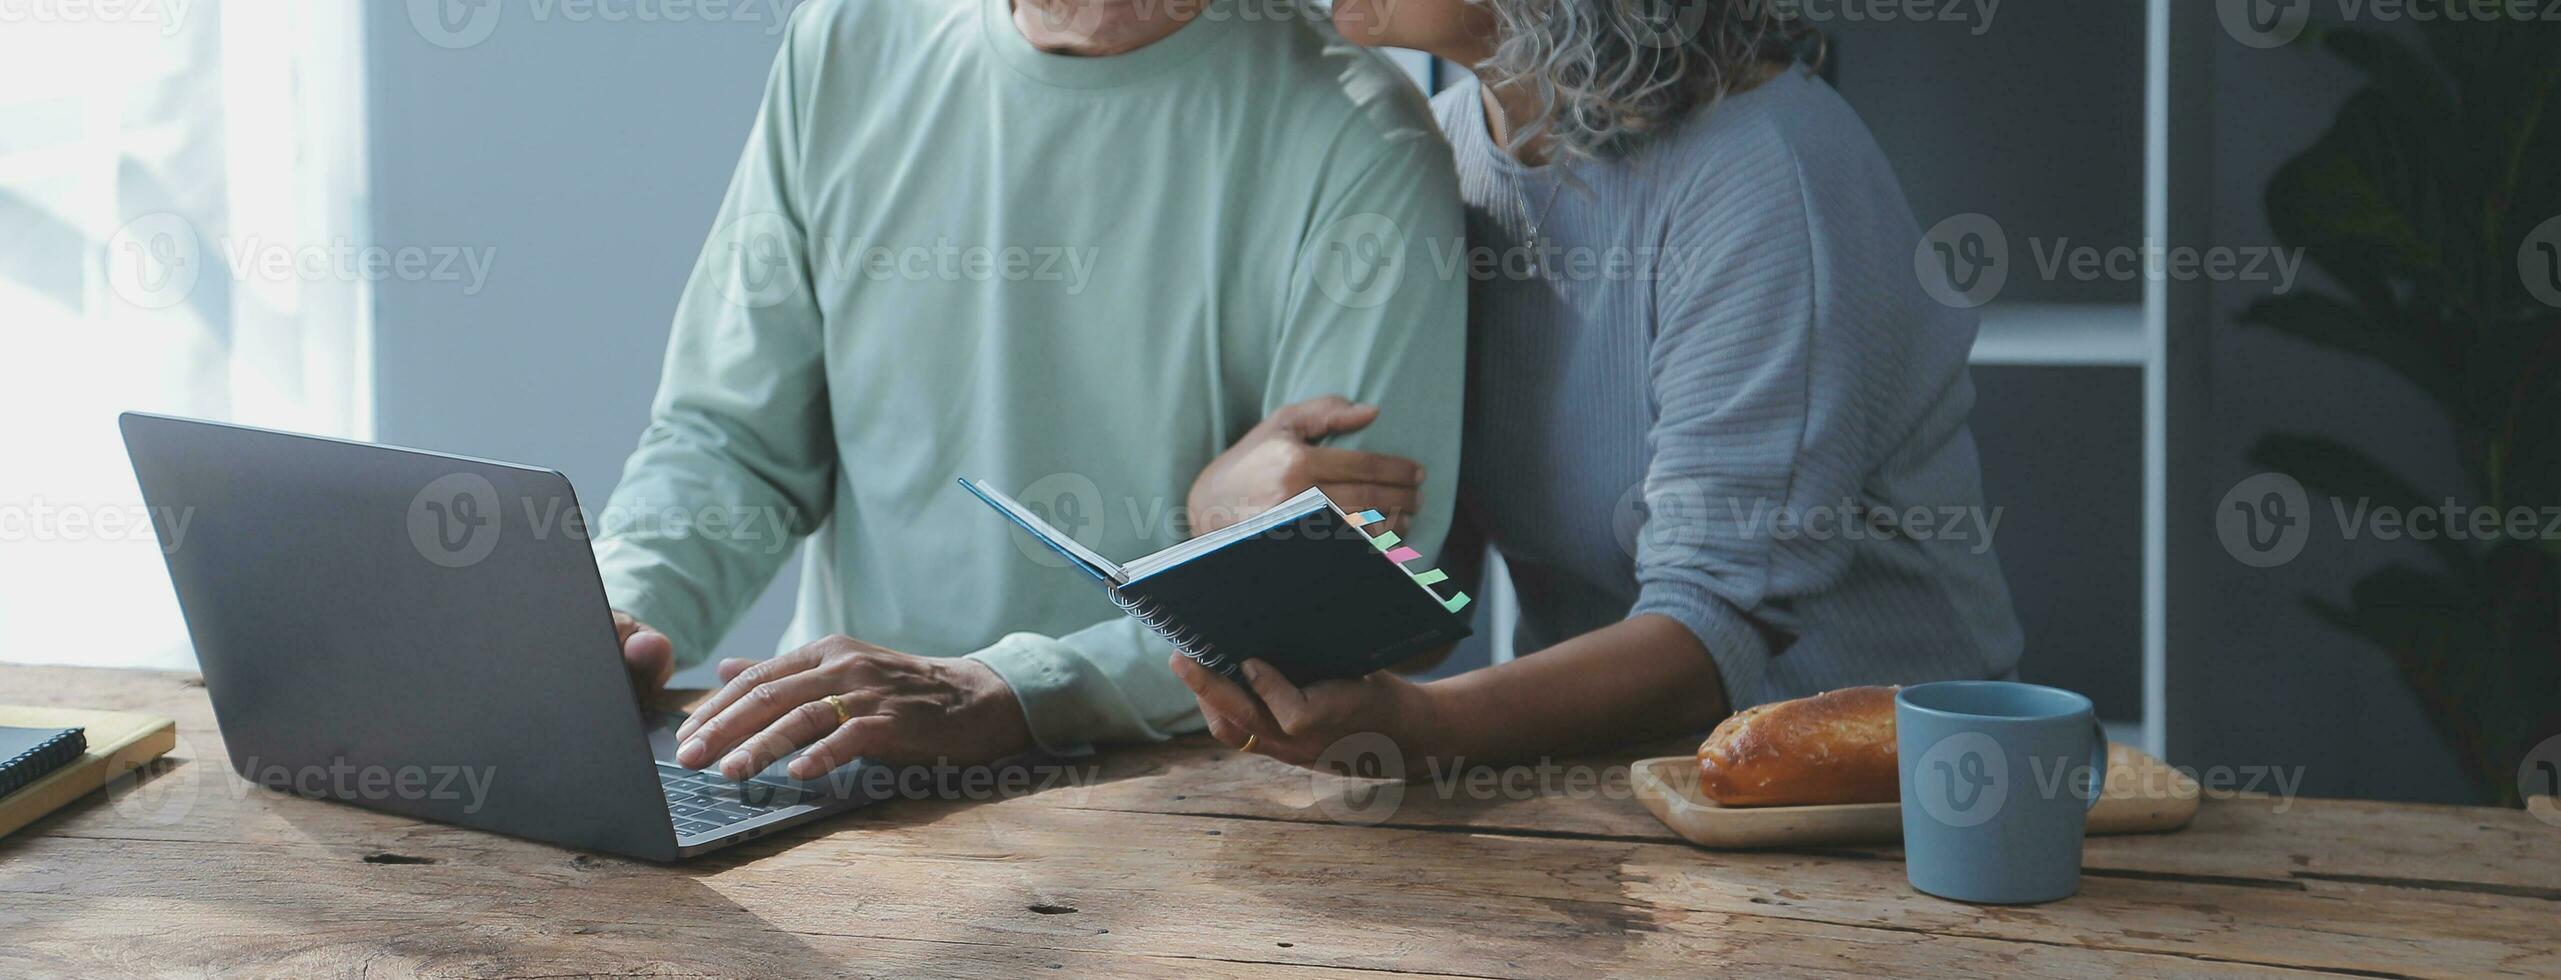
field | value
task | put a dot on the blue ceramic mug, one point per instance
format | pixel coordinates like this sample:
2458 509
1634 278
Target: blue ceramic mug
1997 782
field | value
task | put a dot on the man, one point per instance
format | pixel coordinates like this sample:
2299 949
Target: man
1075 248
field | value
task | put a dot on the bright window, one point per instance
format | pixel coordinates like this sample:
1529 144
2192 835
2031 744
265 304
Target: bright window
179 182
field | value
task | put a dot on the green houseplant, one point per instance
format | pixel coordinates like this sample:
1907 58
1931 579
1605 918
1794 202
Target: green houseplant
2418 203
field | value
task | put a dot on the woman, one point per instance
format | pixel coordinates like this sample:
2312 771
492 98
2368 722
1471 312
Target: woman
1715 427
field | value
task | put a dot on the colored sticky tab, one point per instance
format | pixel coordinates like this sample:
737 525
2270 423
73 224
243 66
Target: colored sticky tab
1366 518
1455 603
1403 555
1430 575
1386 540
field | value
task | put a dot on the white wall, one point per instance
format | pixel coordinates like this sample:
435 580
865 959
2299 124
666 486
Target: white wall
590 157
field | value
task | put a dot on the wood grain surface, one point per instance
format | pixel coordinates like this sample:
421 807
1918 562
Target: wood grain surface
1187 860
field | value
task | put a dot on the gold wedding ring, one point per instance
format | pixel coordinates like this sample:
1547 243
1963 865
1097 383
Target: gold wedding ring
1250 739
837 701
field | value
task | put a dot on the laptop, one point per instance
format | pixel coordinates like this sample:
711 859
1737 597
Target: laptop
426 635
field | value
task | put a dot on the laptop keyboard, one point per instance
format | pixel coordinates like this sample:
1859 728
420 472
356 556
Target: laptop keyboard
702 803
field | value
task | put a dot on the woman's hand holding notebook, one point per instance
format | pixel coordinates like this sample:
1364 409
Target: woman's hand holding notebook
1302 587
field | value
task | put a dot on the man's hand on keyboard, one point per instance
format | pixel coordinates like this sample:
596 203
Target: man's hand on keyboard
895 707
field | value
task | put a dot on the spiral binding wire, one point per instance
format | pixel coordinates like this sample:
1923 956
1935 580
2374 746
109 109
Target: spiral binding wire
1186 640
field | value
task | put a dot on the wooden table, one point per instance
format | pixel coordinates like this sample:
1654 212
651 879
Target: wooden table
1186 861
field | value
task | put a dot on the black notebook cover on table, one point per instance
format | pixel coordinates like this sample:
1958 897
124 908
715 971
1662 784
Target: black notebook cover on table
1299 587
26 754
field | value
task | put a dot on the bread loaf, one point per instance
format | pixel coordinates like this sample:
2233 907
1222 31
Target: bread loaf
1834 747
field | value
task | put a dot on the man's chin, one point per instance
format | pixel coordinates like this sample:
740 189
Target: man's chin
1358 21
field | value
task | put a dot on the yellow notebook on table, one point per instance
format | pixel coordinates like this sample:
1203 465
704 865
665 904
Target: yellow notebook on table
119 742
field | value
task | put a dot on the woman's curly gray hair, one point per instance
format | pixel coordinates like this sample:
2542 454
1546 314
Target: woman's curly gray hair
1608 72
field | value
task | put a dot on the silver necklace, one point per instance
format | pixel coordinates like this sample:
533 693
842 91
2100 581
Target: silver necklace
1538 261
1534 221
1540 218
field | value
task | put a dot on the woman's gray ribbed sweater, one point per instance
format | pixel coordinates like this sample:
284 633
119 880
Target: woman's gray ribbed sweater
1723 397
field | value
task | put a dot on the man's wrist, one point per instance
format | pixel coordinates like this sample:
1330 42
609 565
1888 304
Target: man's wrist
993 701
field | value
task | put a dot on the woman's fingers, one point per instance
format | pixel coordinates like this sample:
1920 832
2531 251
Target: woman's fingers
1373 496
1322 416
1225 730
1326 464
730 667
1231 713
1214 692
742 682
1287 704
1398 503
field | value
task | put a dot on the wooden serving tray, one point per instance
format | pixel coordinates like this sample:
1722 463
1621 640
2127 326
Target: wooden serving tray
2143 795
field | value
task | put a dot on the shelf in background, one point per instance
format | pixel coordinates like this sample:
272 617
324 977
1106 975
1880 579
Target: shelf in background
2062 335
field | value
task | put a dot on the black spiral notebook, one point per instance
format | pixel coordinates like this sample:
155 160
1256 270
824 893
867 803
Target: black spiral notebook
26 754
1301 587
